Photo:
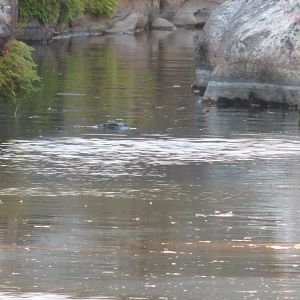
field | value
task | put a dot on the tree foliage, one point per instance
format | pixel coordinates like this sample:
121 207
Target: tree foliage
17 71
44 10
100 7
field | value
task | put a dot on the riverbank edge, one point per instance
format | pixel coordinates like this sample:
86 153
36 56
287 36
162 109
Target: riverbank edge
249 94
243 93
86 25
129 17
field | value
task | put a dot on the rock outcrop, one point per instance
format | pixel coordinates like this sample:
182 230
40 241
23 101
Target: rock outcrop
249 52
7 21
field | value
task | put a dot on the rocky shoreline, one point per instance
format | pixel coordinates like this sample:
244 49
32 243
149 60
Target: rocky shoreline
131 16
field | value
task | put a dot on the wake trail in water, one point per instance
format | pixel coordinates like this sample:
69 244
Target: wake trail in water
152 152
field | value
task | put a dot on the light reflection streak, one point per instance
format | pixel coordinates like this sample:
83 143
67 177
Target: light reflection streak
44 296
113 153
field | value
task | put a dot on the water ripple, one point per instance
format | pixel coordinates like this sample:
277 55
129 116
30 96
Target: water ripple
44 296
113 153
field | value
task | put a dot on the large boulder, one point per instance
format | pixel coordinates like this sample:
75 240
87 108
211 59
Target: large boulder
249 51
8 18
134 22
194 13
162 24
148 8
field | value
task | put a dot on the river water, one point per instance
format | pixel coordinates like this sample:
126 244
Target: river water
192 202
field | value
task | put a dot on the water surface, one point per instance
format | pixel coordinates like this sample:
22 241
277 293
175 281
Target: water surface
192 202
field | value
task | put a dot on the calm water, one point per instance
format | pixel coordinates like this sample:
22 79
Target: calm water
192 202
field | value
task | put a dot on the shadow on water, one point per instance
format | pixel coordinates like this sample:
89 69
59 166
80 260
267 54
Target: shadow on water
189 201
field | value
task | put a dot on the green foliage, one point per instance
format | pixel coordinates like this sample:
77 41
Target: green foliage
104 7
70 9
44 10
62 10
17 71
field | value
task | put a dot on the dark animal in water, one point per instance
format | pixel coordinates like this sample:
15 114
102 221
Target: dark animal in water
114 126
119 126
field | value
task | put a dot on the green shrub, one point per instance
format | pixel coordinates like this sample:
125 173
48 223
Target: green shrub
17 71
62 10
104 7
70 9
44 10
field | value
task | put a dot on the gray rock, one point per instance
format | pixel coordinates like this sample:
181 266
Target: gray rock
250 50
148 8
85 24
169 7
134 22
162 24
34 30
89 23
194 12
8 18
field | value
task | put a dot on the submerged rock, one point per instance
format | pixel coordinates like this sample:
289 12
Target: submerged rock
250 51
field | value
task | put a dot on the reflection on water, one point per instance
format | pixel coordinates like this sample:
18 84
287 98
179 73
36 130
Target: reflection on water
39 296
195 202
